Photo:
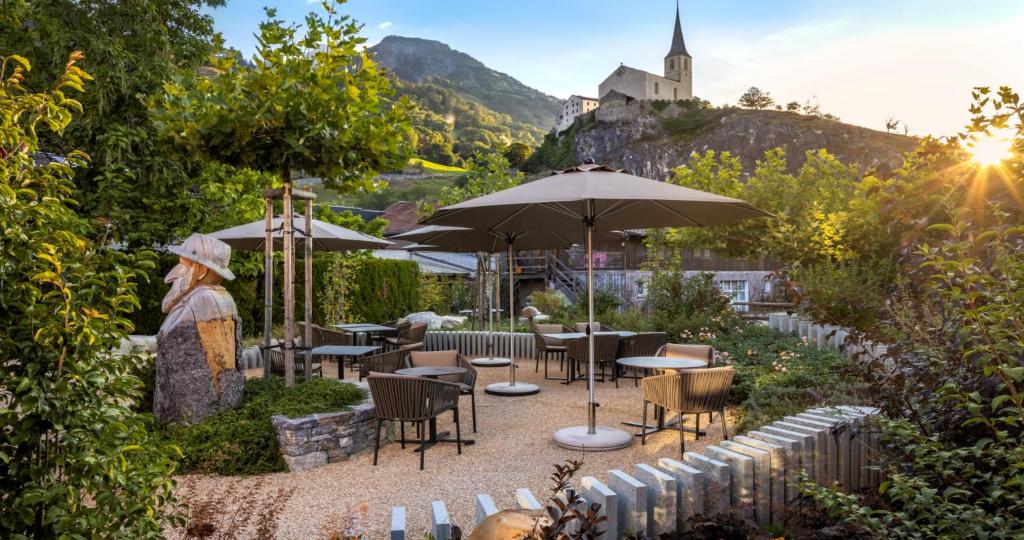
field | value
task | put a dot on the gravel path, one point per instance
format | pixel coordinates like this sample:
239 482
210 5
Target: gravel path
513 449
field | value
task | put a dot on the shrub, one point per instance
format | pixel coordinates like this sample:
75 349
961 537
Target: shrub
550 302
242 441
844 294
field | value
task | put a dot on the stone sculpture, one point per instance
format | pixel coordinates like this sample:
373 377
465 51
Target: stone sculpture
200 342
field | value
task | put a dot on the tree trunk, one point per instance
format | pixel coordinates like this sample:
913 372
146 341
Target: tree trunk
287 237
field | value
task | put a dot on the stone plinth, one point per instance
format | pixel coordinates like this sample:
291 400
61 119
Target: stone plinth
318 439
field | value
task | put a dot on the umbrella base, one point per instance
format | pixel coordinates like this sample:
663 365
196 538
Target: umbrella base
605 439
491 362
512 390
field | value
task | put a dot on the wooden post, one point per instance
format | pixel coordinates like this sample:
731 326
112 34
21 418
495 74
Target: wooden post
287 236
268 287
307 338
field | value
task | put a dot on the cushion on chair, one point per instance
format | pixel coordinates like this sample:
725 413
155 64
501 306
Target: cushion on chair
437 359
703 353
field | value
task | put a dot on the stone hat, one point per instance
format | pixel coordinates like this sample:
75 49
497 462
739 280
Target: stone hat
207 251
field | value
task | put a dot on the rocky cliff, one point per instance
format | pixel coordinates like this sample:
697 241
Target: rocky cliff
652 138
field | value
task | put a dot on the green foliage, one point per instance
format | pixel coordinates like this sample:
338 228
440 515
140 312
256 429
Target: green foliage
77 460
556 152
691 121
485 173
847 294
517 153
444 294
606 303
755 98
242 441
315 103
550 302
368 289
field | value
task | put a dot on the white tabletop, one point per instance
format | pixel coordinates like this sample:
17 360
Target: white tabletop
343 350
566 336
363 327
660 362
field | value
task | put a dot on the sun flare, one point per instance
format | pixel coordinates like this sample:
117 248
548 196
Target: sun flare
988 150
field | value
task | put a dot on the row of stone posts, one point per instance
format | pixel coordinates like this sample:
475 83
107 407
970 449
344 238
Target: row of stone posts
844 340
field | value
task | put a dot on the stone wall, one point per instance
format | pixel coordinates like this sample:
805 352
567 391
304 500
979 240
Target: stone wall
318 439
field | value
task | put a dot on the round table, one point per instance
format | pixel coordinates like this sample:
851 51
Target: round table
433 372
659 363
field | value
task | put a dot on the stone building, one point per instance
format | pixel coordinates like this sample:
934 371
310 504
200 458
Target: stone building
573 107
638 84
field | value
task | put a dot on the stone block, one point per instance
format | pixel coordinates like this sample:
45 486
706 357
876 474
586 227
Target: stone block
306 461
398 523
821 446
632 498
794 324
484 507
762 479
597 492
855 426
835 441
717 482
841 439
661 499
440 526
792 450
689 488
741 478
526 501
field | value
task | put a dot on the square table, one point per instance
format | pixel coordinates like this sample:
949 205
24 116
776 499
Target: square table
342 352
367 329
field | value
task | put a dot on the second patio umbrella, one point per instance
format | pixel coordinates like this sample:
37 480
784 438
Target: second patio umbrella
590 199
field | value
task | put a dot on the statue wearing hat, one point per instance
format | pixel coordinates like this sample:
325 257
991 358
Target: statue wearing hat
200 342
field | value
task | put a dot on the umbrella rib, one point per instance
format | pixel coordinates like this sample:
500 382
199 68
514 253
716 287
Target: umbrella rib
559 207
512 216
618 206
684 216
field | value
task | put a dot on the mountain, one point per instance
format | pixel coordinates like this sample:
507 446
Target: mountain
416 60
650 138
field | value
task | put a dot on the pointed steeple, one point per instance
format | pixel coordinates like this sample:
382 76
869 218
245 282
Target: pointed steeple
678 45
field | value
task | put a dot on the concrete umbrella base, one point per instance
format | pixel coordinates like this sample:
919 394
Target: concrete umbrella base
490 362
605 439
512 390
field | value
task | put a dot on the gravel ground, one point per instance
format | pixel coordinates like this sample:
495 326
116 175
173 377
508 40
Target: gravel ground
513 449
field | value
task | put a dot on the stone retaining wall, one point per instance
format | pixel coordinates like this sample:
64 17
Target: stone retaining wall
318 439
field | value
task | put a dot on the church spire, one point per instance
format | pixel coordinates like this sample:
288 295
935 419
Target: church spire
678 45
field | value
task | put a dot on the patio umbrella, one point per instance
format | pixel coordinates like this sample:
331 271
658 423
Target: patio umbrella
323 236
585 200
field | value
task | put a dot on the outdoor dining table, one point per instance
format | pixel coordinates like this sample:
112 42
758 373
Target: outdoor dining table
341 352
367 329
661 363
433 372
570 374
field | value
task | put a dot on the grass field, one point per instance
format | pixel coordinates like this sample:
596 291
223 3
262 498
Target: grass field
430 166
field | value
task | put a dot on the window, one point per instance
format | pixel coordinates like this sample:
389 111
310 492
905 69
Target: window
655 88
736 291
675 93
672 63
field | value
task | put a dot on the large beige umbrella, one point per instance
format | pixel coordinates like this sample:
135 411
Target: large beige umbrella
579 202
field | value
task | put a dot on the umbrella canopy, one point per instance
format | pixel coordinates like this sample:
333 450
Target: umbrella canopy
326 237
463 239
611 199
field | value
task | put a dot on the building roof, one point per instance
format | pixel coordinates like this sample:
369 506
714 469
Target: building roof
401 217
678 45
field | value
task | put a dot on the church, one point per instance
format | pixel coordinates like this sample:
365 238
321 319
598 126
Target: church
638 84
676 84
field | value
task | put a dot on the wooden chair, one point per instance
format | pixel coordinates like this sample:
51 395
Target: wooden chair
641 344
546 347
606 347
386 362
704 353
276 357
413 399
452 358
689 391
412 334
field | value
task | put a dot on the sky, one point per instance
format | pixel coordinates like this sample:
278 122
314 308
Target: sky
864 61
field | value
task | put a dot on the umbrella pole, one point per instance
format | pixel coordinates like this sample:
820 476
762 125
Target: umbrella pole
511 320
592 406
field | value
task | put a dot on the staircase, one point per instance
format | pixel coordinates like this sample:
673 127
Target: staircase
560 276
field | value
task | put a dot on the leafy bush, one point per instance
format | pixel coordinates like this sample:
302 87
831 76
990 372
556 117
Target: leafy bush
690 122
242 441
77 460
844 294
550 302
606 303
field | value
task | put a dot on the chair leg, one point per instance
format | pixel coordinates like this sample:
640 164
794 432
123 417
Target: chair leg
401 433
696 435
472 402
725 429
423 443
458 431
536 365
643 426
682 437
376 442
545 365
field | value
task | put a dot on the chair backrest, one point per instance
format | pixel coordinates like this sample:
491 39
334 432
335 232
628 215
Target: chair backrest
438 359
692 352
417 332
690 391
606 348
542 343
644 344
388 362
276 357
399 398
402 328
325 336
548 328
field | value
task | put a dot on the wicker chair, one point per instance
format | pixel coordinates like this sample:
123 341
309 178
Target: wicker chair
387 362
412 334
704 353
606 347
598 327
400 326
547 346
690 391
452 358
641 344
276 356
413 399
325 336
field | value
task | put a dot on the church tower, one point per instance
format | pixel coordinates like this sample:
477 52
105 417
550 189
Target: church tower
678 62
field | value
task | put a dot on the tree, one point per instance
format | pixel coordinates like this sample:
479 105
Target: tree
891 124
517 153
77 461
793 106
754 98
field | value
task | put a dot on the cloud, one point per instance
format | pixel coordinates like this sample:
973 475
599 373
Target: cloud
385 24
